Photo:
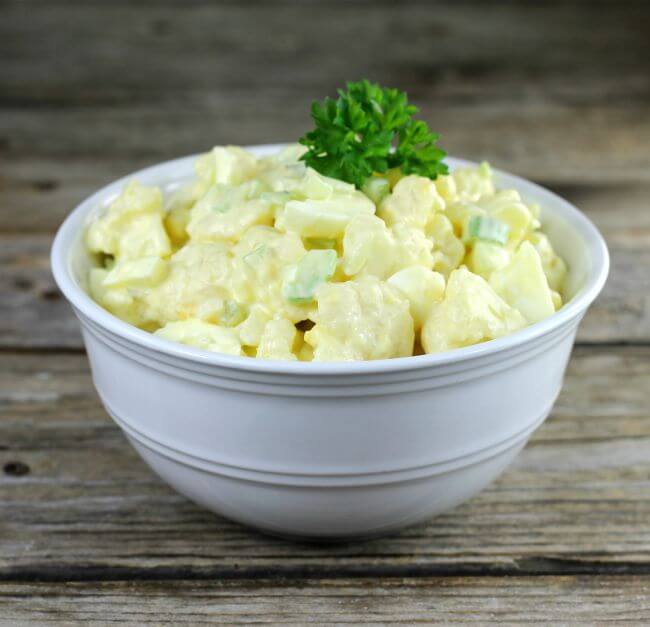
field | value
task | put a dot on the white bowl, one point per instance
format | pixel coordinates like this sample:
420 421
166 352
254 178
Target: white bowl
330 450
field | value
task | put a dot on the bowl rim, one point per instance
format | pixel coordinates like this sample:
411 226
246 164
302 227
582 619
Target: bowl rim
61 268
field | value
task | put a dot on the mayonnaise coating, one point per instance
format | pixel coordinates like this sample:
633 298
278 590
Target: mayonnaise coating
267 258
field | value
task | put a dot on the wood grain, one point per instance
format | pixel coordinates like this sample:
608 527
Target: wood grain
88 508
474 600
153 81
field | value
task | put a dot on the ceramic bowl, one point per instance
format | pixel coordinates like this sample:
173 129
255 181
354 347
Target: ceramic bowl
330 450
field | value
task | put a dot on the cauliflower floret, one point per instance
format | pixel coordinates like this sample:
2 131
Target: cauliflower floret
251 329
225 212
448 250
132 225
361 319
446 186
413 202
118 300
143 272
278 340
226 164
263 258
554 267
197 285
368 247
523 285
470 312
178 209
423 288
144 236
202 335
412 248
473 182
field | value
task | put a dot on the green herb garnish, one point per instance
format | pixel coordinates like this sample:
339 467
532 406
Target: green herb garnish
370 129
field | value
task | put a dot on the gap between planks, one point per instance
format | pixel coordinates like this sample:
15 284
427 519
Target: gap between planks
523 567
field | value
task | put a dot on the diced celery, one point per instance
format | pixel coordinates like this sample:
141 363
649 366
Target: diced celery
376 188
488 229
302 279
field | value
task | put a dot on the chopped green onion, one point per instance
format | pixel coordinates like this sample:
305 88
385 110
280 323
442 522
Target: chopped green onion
302 279
488 229
376 188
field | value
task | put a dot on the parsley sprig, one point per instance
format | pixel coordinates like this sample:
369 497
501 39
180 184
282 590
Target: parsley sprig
370 129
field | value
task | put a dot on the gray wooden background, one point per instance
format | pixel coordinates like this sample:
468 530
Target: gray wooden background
555 91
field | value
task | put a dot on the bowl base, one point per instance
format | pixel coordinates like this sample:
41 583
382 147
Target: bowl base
317 514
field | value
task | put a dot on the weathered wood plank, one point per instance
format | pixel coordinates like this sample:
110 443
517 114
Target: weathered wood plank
475 600
158 80
37 194
526 138
576 500
34 315
33 312
162 51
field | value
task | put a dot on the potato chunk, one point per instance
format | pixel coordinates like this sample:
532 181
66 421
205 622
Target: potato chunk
422 287
413 202
203 335
470 312
323 218
554 266
523 285
361 319
142 272
132 226
277 341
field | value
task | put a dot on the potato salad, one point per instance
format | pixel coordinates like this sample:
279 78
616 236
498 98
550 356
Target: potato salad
270 258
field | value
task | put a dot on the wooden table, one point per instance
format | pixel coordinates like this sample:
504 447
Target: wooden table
558 92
